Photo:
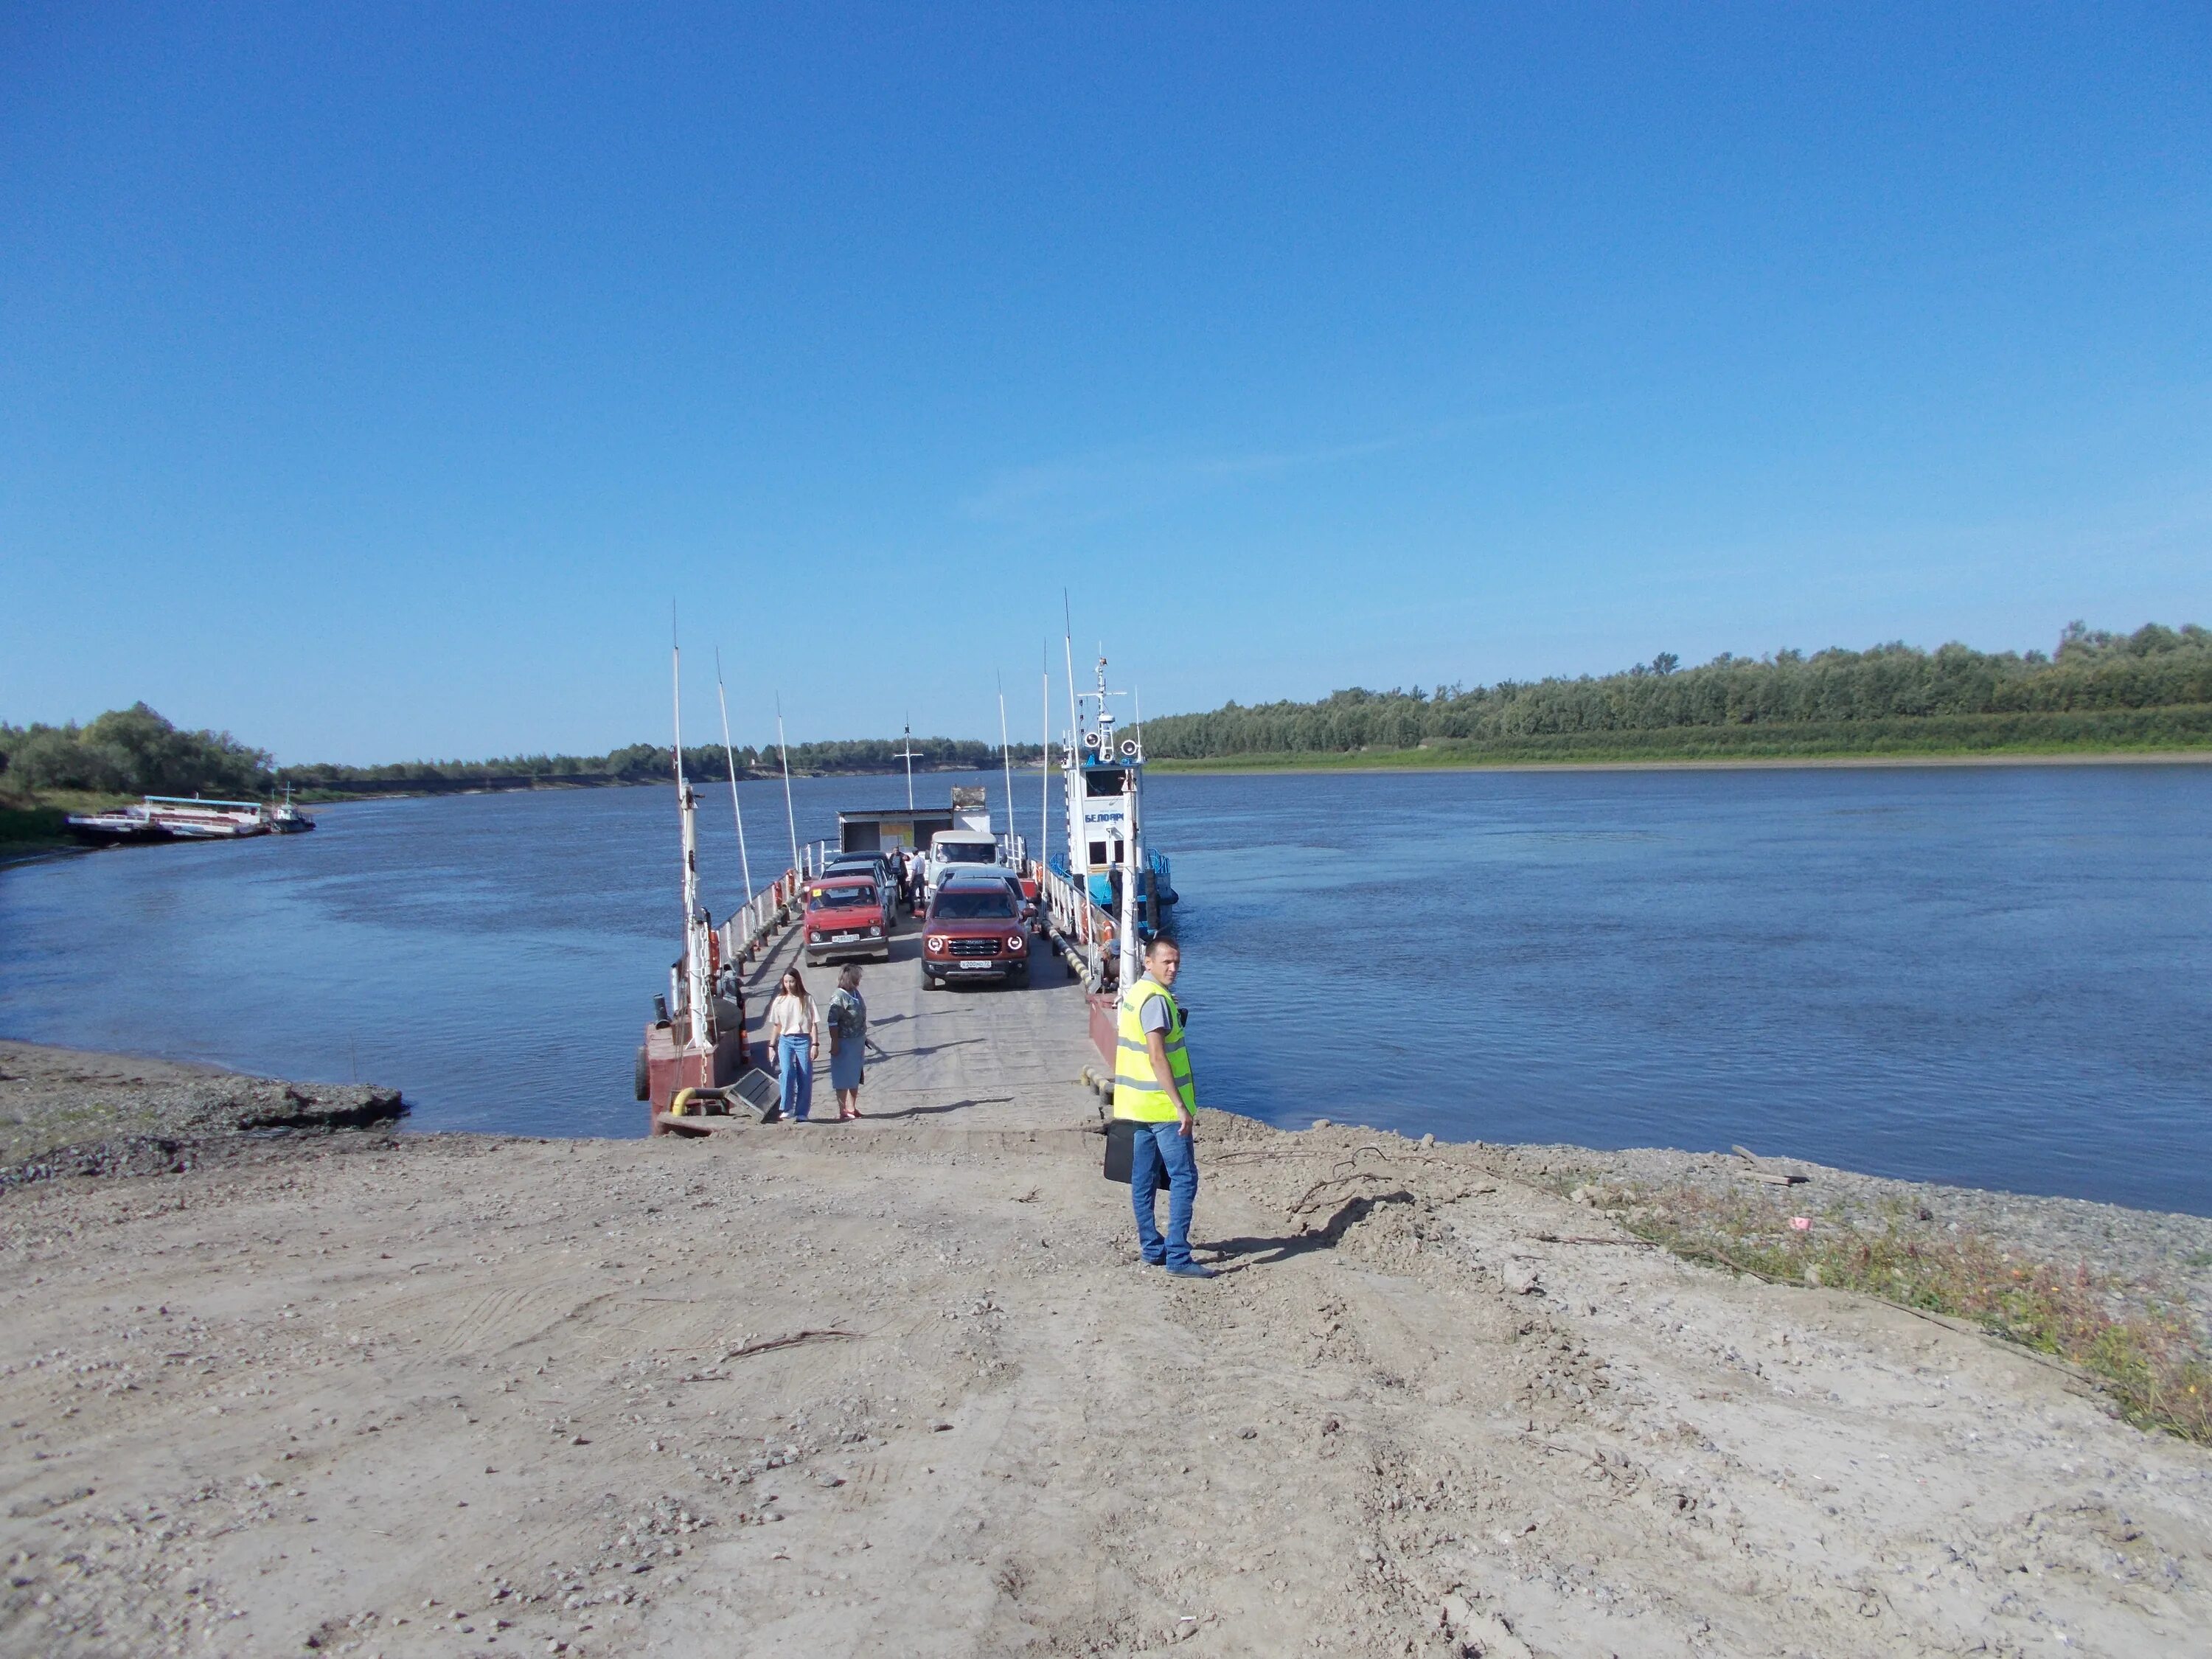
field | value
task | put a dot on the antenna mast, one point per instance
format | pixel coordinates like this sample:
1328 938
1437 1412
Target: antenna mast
905 751
789 817
744 858
1006 759
1067 644
1044 763
696 990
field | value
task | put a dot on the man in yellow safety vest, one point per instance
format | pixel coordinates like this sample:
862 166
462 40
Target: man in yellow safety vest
1152 1087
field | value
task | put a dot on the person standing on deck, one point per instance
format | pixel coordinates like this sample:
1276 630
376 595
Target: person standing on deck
848 1037
795 1030
1152 1086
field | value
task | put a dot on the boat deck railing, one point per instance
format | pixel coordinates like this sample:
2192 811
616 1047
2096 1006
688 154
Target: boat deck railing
1084 928
750 927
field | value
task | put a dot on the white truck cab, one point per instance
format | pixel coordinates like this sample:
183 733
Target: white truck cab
952 849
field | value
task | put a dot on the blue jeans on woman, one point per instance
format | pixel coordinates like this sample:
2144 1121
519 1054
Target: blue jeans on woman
1155 1145
794 1061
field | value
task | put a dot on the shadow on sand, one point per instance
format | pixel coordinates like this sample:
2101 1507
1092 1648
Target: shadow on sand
1234 1254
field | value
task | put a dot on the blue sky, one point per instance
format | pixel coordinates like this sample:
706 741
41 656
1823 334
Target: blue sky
372 377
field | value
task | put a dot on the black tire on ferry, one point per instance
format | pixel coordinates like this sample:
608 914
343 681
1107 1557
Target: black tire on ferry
644 1075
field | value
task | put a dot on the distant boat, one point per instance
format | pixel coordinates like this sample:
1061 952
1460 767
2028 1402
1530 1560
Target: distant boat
174 817
288 819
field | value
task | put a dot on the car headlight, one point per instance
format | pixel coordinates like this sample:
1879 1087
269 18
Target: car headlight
936 944
875 933
1016 942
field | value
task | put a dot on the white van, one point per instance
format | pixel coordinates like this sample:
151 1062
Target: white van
951 849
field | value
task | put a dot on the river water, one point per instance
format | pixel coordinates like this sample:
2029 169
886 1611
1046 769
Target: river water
1995 977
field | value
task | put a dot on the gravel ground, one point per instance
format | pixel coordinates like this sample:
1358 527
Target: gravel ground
63 1111
902 1386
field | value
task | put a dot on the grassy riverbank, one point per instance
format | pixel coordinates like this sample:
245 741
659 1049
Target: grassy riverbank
2180 731
31 820
2121 1296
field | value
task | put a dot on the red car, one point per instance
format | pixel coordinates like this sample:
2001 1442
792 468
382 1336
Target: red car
846 916
974 930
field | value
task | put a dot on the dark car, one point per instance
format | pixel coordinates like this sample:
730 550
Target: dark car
874 865
998 875
974 930
846 917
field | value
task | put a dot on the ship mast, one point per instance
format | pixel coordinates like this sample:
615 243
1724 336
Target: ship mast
744 858
698 994
1044 768
1132 854
907 753
784 753
1006 759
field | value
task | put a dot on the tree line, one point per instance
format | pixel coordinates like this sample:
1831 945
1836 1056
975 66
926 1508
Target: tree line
135 750
2090 671
646 762
130 751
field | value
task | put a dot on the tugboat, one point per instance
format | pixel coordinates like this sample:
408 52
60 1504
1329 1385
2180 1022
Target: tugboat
1103 773
1106 860
288 819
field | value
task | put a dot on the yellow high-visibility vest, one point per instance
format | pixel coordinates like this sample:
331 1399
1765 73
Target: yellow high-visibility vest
1138 1090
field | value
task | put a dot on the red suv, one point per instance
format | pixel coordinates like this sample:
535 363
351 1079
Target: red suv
846 917
974 931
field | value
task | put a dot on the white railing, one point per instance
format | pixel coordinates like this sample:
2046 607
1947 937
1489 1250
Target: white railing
1084 932
750 926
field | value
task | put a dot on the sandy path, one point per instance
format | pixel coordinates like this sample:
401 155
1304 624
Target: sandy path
454 1381
464 1395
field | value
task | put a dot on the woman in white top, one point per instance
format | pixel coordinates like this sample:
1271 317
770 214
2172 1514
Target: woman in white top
794 1027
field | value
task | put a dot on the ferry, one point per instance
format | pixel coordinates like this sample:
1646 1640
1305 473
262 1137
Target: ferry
176 817
1099 900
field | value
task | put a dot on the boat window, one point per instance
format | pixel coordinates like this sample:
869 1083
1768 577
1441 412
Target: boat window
1098 852
1103 780
973 904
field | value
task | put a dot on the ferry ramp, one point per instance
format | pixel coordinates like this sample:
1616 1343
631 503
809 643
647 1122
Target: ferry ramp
968 1057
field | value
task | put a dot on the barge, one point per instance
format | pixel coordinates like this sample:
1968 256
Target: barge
177 817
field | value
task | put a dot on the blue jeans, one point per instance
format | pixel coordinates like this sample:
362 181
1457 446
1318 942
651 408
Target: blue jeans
1151 1146
794 1060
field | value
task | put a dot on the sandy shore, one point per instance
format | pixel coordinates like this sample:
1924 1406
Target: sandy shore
903 1389
64 1111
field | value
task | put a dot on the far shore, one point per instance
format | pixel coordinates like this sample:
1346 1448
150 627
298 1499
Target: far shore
1414 761
30 828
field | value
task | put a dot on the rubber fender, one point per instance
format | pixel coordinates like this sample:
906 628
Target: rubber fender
644 1075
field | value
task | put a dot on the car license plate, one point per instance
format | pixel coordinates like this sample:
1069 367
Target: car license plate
843 938
975 967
